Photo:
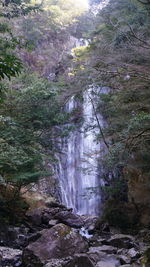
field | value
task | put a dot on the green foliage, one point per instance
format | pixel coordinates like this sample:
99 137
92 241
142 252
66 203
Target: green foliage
10 64
27 118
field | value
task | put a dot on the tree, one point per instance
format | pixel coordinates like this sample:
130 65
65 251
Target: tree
10 64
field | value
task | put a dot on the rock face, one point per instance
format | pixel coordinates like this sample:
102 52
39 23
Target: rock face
70 219
58 242
10 257
138 189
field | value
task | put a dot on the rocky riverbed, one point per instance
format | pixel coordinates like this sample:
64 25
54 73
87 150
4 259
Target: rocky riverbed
54 236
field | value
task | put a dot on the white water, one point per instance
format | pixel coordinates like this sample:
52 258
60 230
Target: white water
79 175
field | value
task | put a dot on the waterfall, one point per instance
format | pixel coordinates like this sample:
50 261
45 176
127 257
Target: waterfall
79 175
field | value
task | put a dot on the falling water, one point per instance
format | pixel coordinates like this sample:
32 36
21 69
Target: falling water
79 175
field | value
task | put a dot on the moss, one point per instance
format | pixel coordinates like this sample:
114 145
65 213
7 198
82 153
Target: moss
145 260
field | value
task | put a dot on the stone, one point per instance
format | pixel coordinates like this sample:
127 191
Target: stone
106 249
15 237
34 237
53 223
58 262
59 241
34 198
90 223
108 262
97 253
96 257
54 204
70 219
10 257
41 216
97 241
121 241
80 260
124 259
35 216
134 254
91 229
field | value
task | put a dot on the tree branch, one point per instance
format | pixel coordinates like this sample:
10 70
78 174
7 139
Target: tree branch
99 126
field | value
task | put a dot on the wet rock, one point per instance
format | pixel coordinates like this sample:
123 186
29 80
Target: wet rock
10 257
90 223
59 241
102 253
109 261
107 249
121 241
58 262
124 259
96 256
91 229
97 241
80 260
133 254
122 251
70 219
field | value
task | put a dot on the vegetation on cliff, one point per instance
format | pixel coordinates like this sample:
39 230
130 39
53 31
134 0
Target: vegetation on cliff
117 57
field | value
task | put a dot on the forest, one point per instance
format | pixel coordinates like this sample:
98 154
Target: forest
74 133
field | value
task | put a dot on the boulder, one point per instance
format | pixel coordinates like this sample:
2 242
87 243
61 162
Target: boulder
80 260
34 237
124 259
10 257
102 253
133 254
106 249
53 223
41 216
106 264
96 241
58 262
35 216
109 261
90 223
121 241
57 242
70 219
96 256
